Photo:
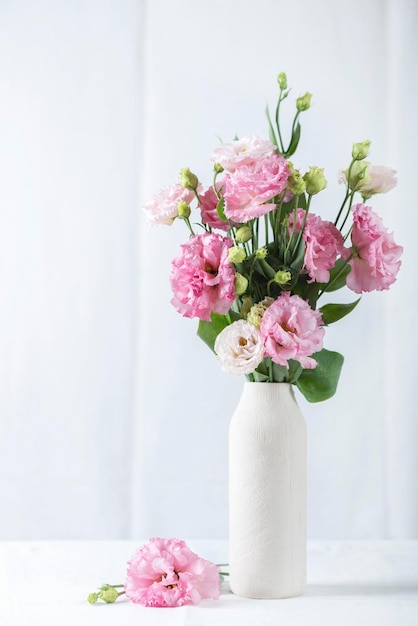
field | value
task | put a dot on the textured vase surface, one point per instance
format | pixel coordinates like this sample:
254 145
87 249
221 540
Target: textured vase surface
267 493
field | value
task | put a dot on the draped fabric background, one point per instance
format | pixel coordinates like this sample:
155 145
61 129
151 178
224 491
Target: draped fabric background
114 416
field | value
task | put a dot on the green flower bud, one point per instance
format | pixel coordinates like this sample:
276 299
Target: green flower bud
261 253
188 180
92 597
184 210
358 174
282 80
304 102
243 234
247 303
241 284
286 222
236 255
108 594
296 183
361 150
218 168
282 277
315 180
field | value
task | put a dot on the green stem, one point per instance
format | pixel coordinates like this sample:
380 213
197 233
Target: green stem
189 226
348 210
266 227
278 121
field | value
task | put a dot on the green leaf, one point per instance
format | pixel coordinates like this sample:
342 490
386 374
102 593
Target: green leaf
321 383
294 141
272 134
280 373
220 210
334 312
208 331
295 370
298 255
266 269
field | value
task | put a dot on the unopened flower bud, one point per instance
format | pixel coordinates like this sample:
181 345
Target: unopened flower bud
218 168
358 174
296 183
261 253
184 210
247 303
282 277
108 594
304 102
315 180
243 234
361 150
188 180
241 284
282 80
92 597
236 254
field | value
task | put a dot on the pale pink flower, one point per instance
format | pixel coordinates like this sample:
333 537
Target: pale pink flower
290 329
202 277
377 178
248 190
242 152
166 573
239 348
381 179
376 255
324 244
163 207
208 204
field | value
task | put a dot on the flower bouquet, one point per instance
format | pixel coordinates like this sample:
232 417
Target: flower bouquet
259 260
253 271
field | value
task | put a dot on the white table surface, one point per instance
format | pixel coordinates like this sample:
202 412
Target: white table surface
349 584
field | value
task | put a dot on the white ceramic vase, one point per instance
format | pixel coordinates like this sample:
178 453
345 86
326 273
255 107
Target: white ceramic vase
267 493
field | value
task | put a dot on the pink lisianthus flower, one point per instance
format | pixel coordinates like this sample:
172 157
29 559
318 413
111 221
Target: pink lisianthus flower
242 152
202 277
166 573
208 204
163 207
375 263
290 329
324 244
248 190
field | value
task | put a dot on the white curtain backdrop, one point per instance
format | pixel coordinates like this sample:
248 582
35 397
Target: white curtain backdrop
114 416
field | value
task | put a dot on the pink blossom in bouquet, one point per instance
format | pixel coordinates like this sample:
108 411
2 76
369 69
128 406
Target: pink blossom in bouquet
202 277
376 263
239 348
324 244
166 573
248 190
290 329
163 207
208 204
233 154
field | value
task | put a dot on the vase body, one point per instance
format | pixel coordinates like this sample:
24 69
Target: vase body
267 493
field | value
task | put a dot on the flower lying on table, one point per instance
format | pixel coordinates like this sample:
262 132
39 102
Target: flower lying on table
165 573
255 285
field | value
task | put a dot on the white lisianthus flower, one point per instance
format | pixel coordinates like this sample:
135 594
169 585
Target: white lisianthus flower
239 348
